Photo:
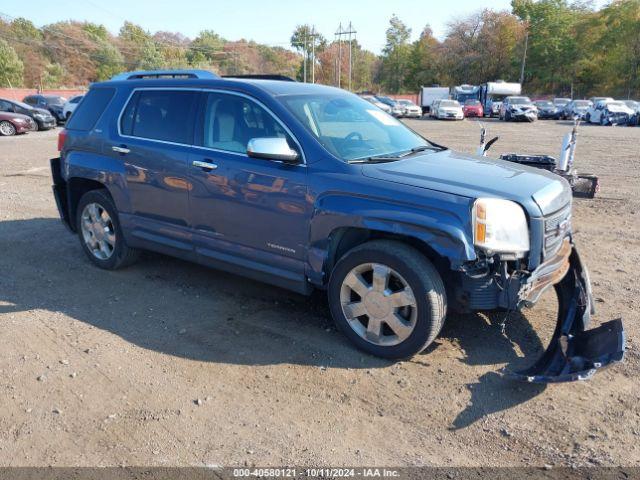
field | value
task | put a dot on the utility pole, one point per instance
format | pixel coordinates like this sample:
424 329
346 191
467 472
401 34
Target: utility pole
348 32
524 54
304 52
339 33
313 55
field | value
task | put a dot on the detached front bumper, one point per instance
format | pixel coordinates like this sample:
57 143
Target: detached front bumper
574 353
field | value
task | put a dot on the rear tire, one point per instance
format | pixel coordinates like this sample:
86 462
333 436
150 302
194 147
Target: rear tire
100 234
387 298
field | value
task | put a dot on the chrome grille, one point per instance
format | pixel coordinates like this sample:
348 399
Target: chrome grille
556 228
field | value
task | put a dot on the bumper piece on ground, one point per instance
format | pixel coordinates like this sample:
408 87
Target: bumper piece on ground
575 353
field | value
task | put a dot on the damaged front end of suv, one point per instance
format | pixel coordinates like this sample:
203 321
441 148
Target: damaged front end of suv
506 277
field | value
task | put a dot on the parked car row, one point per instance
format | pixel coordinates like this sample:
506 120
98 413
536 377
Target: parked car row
35 112
397 108
600 110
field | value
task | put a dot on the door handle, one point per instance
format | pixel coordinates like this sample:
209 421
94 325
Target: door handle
205 165
123 150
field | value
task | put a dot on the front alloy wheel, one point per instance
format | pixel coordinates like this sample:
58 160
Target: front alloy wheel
387 298
379 304
7 129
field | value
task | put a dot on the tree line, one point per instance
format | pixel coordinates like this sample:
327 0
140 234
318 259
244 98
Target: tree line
568 48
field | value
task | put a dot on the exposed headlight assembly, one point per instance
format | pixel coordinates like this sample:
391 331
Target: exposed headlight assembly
500 226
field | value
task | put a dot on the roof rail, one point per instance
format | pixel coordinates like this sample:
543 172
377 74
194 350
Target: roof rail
201 74
261 76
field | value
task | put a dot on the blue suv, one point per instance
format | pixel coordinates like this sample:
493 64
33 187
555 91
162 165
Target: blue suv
310 187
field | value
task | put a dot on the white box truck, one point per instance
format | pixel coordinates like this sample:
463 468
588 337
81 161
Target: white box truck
429 94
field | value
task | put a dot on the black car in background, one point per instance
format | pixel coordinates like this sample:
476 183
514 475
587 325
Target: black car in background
43 118
52 103
548 110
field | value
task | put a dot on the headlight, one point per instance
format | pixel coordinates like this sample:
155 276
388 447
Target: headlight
500 226
39 116
19 120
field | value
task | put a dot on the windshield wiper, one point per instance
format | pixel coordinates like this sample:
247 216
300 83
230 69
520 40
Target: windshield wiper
377 159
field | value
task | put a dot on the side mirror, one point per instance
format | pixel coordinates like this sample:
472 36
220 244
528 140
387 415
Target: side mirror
272 148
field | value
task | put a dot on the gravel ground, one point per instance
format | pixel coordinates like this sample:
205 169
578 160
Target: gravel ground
169 363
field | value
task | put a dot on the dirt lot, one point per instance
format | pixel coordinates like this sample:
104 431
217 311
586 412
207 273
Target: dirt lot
168 363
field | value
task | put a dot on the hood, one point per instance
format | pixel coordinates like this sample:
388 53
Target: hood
42 111
619 109
524 106
473 176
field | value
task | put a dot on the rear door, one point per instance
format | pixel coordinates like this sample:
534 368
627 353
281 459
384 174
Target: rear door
154 136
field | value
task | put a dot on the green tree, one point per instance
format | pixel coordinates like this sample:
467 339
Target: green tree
206 49
423 66
11 67
395 55
621 40
109 61
151 57
53 76
552 50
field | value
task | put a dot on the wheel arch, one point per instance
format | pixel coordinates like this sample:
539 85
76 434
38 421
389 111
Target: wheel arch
76 188
344 239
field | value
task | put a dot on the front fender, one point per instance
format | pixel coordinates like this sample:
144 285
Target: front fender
441 225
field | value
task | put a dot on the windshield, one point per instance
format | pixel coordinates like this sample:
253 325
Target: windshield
561 101
615 104
582 103
23 105
545 104
407 103
519 100
472 102
55 100
350 128
449 103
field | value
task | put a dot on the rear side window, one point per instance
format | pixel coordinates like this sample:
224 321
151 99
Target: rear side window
90 110
166 115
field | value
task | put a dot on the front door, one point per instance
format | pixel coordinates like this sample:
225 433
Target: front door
251 209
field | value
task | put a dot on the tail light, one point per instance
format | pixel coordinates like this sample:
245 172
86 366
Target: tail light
62 136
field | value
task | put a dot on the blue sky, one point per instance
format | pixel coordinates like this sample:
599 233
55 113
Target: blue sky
259 20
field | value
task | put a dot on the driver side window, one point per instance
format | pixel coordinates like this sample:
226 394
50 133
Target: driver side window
230 121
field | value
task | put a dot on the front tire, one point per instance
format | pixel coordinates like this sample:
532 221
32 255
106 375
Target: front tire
7 129
387 298
100 233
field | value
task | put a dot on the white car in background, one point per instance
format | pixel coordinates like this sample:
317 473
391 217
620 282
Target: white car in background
447 110
410 109
373 100
609 112
70 106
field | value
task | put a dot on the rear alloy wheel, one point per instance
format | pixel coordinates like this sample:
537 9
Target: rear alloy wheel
387 298
100 233
7 129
